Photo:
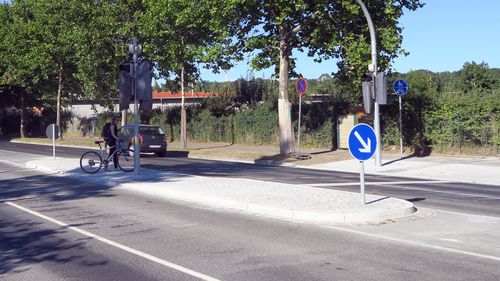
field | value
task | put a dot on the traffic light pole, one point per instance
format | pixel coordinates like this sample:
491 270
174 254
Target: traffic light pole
373 68
137 146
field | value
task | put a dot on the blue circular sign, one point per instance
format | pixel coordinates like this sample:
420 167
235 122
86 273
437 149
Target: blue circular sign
362 142
400 87
301 86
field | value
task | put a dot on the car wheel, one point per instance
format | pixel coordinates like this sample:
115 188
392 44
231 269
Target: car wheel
162 153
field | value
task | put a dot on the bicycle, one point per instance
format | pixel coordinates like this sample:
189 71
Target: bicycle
92 161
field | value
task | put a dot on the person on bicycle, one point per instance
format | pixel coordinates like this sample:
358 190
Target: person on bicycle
112 139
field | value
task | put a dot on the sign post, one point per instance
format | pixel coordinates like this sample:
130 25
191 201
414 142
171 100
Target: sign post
362 142
301 87
400 88
52 133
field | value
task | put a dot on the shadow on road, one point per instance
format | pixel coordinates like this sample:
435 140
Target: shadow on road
416 199
26 242
53 188
397 160
177 153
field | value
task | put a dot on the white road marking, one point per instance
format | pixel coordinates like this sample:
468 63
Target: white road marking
463 214
414 243
265 179
405 187
16 171
117 245
374 183
450 192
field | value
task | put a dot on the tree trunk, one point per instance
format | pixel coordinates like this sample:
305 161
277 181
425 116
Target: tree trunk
22 95
335 129
124 117
59 93
284 107
183 114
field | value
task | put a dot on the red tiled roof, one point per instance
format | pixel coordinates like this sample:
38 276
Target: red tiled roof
172 95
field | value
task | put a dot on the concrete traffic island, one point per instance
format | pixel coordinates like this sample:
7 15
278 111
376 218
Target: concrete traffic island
276 200
281 201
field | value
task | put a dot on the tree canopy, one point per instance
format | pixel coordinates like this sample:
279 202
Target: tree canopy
67 50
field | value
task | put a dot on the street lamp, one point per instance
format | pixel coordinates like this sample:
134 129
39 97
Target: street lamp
373 69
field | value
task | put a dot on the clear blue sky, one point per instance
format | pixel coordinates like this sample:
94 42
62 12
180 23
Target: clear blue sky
441 36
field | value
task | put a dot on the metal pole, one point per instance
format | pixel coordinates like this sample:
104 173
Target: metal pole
53 141
400 127
300 113
136 112
362 180
376 121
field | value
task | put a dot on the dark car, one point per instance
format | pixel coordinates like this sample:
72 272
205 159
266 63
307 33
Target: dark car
154 138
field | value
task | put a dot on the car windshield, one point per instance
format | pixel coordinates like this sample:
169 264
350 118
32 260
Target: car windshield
151 131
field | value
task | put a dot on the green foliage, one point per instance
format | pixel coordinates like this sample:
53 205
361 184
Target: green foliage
455 122
322 137
257 125
476 78
185 33
447 110
207 128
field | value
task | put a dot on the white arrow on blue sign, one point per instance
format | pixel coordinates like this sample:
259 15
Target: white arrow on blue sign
362 142
400 87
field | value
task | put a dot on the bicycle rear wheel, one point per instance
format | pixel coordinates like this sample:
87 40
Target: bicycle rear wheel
126 160
91 162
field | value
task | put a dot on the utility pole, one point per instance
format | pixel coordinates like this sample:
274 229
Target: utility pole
183 113
135 49
183 107
373 69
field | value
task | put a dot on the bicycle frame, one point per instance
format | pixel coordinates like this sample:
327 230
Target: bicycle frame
101 150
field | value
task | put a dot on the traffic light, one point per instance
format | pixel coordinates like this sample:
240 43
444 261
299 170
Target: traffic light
367 89
144 88
125 85
143 82
381 88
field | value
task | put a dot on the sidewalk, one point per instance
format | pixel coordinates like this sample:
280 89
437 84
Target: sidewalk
268 199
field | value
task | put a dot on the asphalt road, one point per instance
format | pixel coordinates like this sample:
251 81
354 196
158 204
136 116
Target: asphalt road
56 228
450 196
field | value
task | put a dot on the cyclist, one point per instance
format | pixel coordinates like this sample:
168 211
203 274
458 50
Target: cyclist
111 137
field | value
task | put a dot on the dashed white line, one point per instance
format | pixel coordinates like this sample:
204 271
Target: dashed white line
463 214
373 183
117 245
405 187
419 244
449 192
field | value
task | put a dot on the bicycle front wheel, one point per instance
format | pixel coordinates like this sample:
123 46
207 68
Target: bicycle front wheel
91 162
126 160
